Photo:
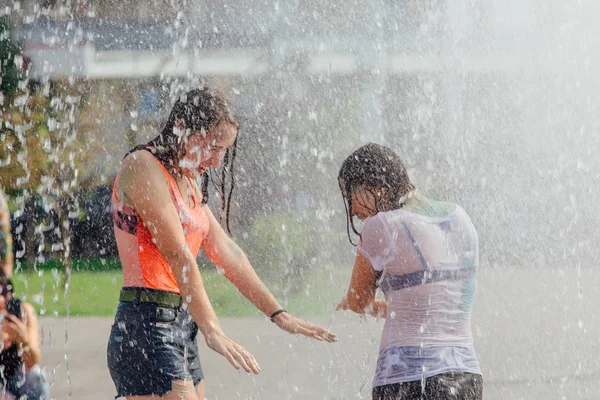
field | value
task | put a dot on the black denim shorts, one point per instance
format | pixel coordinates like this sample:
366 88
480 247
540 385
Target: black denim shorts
149 347
447 386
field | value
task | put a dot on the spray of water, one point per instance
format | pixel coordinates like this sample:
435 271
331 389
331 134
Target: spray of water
492 105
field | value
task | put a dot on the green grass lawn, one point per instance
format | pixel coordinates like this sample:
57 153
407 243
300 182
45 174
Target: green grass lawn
96 293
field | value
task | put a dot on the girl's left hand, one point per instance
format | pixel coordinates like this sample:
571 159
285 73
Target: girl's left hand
15 330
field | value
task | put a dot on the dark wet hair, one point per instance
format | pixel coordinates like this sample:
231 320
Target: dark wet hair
373 167
200 110
6 285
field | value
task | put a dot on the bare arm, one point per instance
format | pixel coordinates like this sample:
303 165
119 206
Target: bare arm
6 259
24 332
146 188
360 297
227 255
32 353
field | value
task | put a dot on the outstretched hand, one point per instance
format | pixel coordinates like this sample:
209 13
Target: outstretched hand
298 326
233 352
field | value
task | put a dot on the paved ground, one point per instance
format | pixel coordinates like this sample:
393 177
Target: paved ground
536 333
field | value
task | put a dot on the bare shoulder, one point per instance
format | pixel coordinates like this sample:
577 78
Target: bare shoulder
448 207
138 163
29 310
138 170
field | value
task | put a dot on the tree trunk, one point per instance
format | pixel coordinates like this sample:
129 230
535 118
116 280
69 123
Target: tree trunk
65 236
27 238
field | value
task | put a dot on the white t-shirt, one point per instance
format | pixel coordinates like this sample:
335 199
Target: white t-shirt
428 268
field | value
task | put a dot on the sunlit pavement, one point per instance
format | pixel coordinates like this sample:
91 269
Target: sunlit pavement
536 332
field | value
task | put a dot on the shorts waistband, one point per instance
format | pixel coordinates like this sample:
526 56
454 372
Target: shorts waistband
143 295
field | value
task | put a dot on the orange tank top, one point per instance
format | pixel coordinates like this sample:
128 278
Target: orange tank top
143 264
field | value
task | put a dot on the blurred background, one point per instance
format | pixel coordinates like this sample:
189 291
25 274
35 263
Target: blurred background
491 104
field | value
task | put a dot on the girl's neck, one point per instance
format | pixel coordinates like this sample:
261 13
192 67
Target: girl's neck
420 204
414 200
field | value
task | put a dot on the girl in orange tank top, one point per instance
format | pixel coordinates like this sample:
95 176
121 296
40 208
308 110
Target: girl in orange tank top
152 348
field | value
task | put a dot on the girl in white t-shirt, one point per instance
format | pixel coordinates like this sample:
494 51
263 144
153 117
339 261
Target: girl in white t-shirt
423 255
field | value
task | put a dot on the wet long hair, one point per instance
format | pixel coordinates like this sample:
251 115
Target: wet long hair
200 110
6 285
378 169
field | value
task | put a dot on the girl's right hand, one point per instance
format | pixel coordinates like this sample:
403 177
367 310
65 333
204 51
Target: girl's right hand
343 304
233 352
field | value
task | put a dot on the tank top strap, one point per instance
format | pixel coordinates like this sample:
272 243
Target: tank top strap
114 189
416 246
172 184
194 194
167 174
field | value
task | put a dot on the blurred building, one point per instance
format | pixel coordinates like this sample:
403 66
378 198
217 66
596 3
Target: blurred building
393 69
379 44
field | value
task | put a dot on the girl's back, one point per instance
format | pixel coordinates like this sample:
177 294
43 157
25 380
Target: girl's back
428 269
423 255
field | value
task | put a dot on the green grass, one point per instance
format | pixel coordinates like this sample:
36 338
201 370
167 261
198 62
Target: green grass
89 293
96 293
104 264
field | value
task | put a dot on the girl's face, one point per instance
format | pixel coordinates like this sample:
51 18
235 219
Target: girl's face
205 151
363 202
5 295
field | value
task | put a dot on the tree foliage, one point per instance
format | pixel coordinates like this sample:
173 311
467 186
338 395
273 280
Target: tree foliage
11 63
43 154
